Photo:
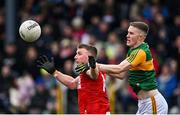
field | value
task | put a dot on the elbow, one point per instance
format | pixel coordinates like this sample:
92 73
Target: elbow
71 86
119 70
121 78
118 76
115 71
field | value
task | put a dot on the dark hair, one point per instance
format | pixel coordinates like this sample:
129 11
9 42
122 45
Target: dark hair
90 49
140 25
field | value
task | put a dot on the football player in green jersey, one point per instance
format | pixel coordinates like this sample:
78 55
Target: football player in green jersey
139 64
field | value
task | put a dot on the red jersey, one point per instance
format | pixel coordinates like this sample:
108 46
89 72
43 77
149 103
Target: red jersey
92 96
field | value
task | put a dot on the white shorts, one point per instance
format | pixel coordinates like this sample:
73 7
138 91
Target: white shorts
153 105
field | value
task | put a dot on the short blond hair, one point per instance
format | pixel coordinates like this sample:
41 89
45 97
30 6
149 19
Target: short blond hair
141 25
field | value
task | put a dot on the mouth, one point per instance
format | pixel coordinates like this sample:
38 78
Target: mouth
76 61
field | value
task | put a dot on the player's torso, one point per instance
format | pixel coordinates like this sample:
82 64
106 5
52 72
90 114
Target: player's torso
142 76
89 85
92 96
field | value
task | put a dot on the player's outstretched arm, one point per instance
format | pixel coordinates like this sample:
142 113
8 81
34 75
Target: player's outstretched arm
115 69
48 65
67 80
121 75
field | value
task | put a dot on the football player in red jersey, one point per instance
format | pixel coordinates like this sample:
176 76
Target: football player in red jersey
92 97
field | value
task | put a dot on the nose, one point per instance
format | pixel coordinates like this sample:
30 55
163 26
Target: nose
127 35
75 57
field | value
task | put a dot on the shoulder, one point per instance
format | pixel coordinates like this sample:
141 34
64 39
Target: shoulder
138 52
137 56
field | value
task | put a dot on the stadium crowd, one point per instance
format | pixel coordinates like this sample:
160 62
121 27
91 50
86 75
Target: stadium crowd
102 23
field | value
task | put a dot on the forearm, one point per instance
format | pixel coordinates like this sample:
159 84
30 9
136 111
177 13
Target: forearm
119 76
67 80
113 69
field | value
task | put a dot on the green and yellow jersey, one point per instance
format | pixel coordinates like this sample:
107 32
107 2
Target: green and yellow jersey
142 73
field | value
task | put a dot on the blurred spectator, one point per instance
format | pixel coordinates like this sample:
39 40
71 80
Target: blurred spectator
136 9
94 41
92 8
2 28
6 81
10 55
111 49
39 99
21 93
176 49
72 103
67 32
176 25
167 82
102 57
103 31
109 11
78 29
66 48
29 62
47 36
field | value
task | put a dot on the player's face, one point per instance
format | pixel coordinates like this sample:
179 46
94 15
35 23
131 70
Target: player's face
133 36
81 56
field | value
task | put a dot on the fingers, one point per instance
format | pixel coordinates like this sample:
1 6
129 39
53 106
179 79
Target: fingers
91 59
92 62
81 68
39 63
43 58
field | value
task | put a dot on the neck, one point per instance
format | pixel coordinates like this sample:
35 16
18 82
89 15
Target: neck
138 44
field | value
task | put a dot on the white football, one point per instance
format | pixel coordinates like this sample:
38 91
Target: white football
30 31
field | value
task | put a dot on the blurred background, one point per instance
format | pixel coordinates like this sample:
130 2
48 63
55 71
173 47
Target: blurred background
65 23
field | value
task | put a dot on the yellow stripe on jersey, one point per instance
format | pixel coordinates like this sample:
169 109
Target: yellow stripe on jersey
146 66
154 106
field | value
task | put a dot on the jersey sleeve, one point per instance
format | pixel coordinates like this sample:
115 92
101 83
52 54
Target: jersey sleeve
136 57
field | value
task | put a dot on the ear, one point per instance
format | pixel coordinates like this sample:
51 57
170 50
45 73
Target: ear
141 36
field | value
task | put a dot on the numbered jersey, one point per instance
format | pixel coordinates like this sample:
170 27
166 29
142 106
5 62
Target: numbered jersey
92 97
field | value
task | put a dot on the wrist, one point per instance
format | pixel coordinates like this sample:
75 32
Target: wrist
55 73
99 66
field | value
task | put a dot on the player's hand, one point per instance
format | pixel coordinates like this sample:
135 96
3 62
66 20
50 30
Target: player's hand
45 63
92 62
81 68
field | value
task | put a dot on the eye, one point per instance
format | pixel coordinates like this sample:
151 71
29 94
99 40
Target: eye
79 53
